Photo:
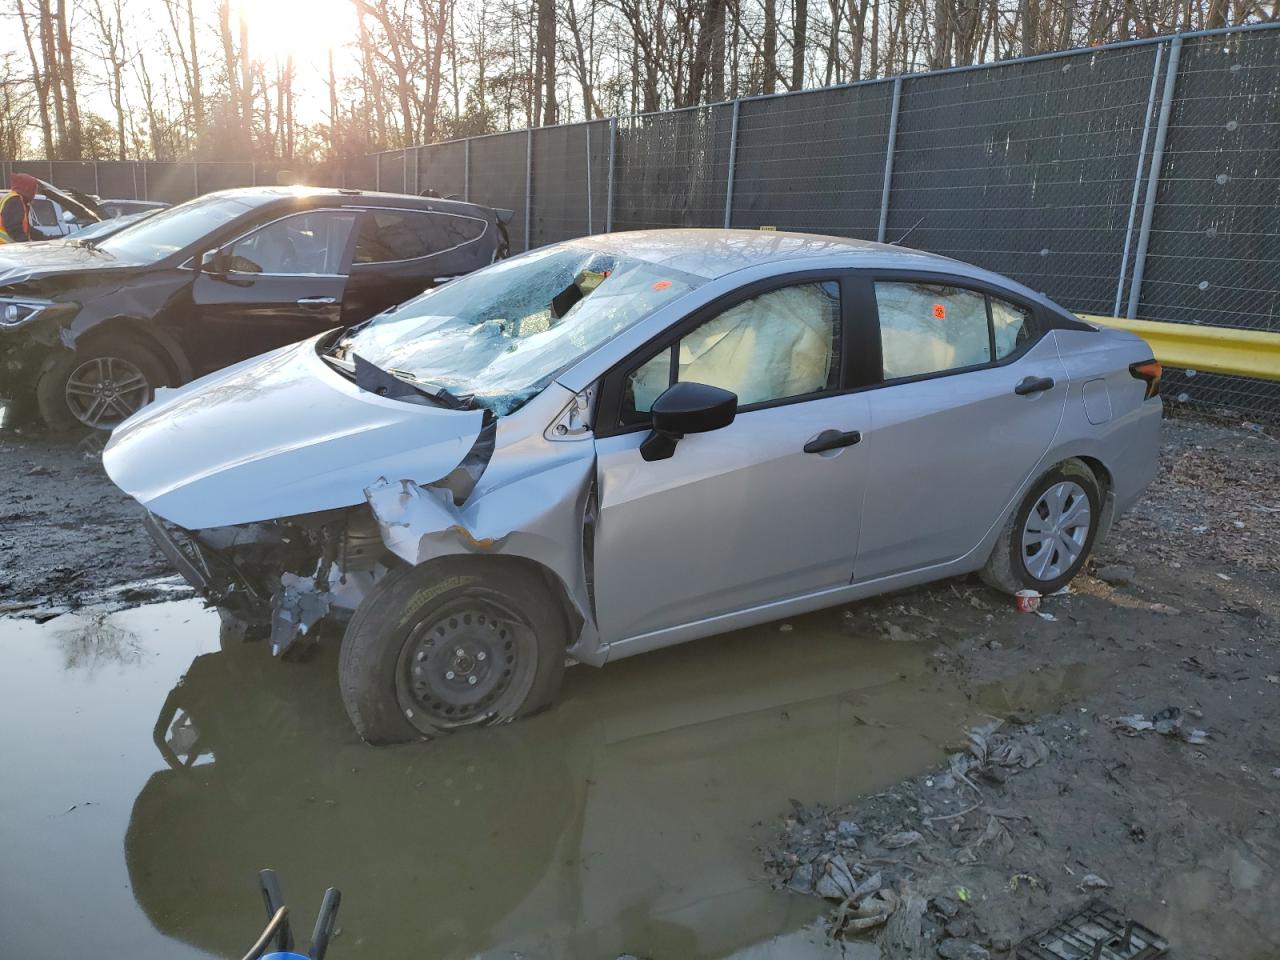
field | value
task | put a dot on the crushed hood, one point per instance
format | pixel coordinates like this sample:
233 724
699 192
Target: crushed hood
33 262
279 435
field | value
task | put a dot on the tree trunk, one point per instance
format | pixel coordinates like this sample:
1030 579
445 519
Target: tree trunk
197 93
547 58
799 43
53 80
41 80
74 135
770 52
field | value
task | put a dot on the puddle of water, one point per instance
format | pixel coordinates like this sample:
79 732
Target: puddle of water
148 776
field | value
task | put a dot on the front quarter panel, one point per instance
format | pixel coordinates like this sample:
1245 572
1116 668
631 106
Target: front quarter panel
531 502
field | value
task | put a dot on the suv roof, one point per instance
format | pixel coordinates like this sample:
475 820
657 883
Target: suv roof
364 198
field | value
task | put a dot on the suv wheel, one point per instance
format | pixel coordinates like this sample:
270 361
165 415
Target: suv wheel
99 386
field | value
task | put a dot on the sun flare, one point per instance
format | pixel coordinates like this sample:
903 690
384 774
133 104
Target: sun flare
303 29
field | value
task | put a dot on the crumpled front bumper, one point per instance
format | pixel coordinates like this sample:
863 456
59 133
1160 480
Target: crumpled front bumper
183 552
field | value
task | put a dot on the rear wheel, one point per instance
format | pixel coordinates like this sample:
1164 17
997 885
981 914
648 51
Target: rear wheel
99 386
457 642
1047 540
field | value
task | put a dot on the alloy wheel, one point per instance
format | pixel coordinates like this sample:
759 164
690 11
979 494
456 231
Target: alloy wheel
103 392
1056 530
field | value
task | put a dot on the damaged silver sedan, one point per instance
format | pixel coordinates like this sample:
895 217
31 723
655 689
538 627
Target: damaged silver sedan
620 443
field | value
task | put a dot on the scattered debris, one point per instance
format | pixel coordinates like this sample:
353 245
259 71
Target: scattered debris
1026 601
1091 881
1168 722
1097 932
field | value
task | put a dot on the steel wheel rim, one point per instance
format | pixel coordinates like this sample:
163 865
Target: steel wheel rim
103 392
1056 529
458 665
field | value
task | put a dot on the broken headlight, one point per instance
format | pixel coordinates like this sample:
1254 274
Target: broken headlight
14 313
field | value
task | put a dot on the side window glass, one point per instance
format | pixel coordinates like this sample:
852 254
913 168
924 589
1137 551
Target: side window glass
781 344
306 243
1011 326
928 328
42 213
387 235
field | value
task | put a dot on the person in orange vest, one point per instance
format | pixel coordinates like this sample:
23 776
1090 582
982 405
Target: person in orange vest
15 210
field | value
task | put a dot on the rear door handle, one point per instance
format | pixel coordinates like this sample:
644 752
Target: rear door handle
317 301
1031 385
832 440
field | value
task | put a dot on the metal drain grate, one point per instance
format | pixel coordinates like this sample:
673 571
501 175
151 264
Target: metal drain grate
1094 932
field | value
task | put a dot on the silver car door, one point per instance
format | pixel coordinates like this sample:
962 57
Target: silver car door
743 515
972 397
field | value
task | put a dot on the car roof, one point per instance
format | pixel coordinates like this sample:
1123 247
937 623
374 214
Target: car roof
711 253
714 253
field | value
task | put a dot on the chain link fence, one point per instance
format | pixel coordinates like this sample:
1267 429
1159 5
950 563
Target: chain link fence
1139 179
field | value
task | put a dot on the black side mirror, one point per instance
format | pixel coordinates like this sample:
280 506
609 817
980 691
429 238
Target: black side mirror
686 408
214 262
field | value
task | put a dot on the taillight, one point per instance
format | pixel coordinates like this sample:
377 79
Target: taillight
1148 371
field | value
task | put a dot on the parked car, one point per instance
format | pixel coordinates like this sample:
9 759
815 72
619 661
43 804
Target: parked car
123 208
89 331
59 212
611 445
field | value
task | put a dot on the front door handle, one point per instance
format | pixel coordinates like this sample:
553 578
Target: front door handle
1030 385
832 440
317 301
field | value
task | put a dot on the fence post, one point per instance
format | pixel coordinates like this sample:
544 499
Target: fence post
146 190
97 179
586 133
733 162
377 172
888 160
1137 177
195 176
1153 178
613 143
466 169
528 187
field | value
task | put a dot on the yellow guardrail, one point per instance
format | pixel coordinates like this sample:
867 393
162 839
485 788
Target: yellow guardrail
1193 346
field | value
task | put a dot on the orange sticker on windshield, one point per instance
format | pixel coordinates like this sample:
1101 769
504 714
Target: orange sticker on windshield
662 284
939 312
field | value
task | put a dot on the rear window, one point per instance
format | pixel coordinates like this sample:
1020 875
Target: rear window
388 235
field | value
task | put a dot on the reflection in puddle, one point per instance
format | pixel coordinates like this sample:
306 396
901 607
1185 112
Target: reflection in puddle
624 820
94 641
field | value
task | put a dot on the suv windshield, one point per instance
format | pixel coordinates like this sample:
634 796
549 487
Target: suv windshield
169 231
501 334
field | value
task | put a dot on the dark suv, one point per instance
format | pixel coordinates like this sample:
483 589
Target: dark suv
89 329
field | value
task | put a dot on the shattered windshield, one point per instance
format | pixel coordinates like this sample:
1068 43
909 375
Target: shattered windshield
501 334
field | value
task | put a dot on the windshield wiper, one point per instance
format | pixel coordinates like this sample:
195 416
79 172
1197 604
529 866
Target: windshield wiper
399 385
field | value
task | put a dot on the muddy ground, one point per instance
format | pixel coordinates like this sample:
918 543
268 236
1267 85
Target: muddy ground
1182 613
68 537
1175 826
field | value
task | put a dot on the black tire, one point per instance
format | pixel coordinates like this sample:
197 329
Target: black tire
1007 569
124 353
402 674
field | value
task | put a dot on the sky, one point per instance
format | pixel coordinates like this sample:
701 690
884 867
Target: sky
307 29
